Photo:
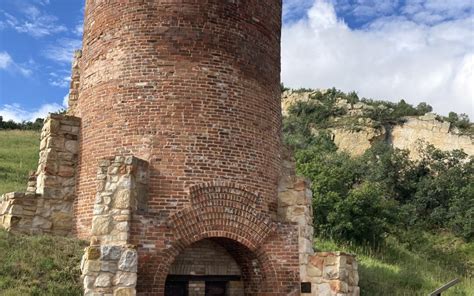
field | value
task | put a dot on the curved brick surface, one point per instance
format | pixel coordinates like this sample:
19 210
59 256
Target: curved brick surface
190 86
193 88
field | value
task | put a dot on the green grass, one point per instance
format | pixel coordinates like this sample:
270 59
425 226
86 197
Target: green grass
18 156
39 265
43 265
33 265
415 268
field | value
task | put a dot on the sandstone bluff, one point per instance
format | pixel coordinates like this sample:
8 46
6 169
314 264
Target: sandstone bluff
170 160
354 132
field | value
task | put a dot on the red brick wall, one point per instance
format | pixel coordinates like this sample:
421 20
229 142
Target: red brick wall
204 258
192 87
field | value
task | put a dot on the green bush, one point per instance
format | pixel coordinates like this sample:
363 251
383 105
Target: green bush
361 199
347 206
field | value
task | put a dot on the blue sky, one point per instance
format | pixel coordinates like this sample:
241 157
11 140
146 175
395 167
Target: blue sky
37 38
418 50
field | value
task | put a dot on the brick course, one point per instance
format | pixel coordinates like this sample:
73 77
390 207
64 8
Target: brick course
176 107
192 88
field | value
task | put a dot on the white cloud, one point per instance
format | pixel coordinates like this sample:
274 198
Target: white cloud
61 79
8 64
66 101
17 113
392 57
79 29
5 60
63 50
32 21
434 11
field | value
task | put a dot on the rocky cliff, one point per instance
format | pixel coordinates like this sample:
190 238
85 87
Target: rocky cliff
354 131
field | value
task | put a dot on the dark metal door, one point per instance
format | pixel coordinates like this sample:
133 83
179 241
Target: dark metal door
216 288
176 288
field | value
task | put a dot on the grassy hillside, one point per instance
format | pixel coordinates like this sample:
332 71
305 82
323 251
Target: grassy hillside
398 269
45 265
33 265
18 156
39 265
410 222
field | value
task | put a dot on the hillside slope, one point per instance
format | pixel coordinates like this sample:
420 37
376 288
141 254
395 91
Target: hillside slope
33 265
39 265
18 156
45 265
407 214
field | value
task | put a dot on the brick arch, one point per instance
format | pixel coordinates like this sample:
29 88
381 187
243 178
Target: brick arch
223 209
229 215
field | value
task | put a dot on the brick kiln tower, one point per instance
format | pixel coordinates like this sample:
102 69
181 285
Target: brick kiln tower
170 158
193 89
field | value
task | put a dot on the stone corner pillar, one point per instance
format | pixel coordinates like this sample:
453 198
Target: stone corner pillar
46 206
333 273
323 273
109 265
75 83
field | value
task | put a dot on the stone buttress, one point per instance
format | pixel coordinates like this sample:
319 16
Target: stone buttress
47 205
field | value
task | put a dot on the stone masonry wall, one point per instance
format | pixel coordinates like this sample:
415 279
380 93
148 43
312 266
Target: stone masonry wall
333 274
46 207
75 82
328 273
109 265
17 210
295 205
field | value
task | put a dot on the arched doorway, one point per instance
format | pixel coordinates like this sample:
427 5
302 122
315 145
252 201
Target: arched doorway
214 267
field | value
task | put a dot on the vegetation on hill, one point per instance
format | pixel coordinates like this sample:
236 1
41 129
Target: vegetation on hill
361 199
410 222
19 152
40 265
24 125
33 265
415 266
324 109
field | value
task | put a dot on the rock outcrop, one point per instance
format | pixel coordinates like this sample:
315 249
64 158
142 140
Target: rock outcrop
354 132
356 142
428 129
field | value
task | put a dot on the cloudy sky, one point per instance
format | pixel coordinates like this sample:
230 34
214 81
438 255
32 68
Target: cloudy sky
417 50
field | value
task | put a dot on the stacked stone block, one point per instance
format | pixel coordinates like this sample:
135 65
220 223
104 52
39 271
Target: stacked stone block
295 205
109 270
109 265
333 274
56 175
75 82
328 273
17 211
122 186
46 207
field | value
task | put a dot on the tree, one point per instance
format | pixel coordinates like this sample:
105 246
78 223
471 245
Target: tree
423 108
